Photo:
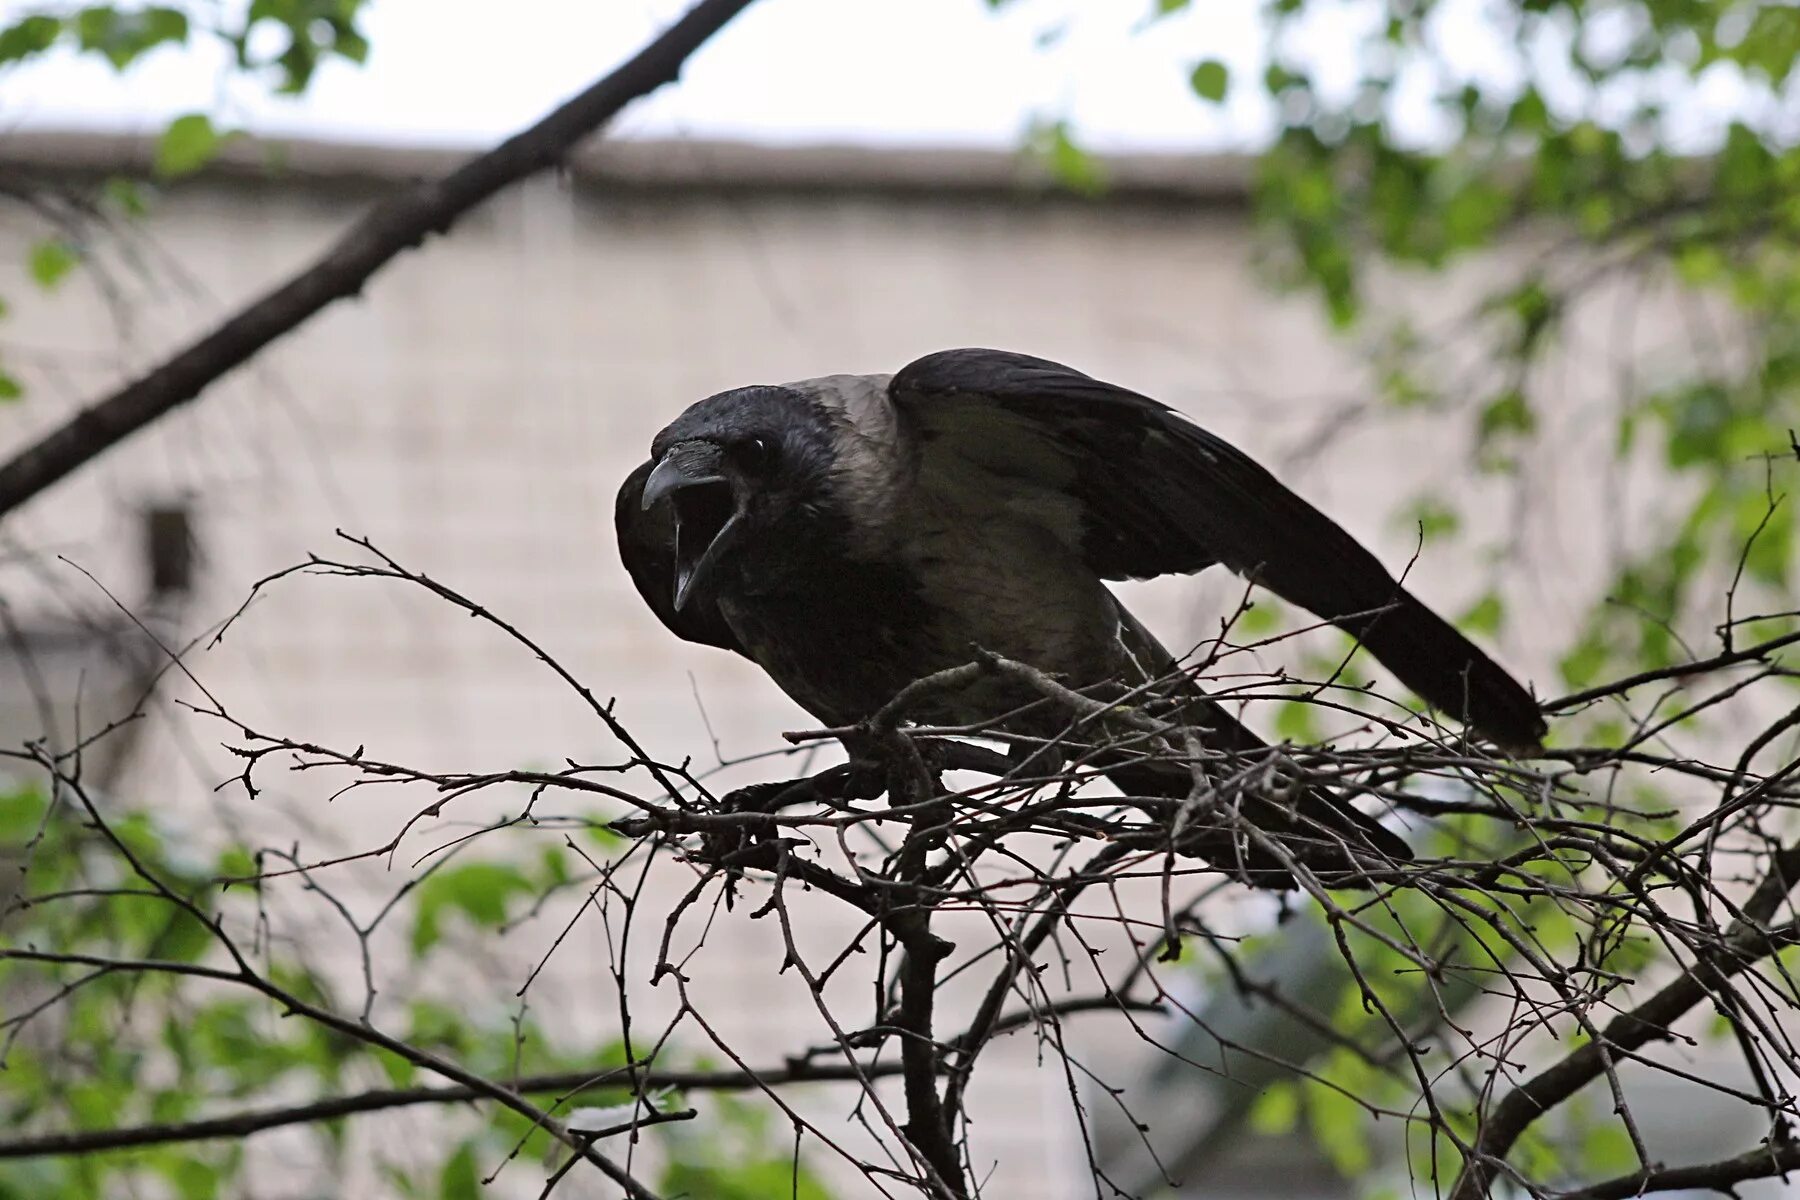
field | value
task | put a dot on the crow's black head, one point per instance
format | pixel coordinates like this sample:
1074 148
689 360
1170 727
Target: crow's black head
739 468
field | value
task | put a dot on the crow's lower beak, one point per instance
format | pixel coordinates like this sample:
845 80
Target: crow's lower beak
707 511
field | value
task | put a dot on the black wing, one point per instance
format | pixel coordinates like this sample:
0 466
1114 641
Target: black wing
647 547
1155 494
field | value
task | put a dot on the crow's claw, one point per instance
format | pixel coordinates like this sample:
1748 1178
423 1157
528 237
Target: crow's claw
832 786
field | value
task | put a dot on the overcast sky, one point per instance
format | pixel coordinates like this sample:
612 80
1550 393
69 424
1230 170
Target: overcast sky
923 71
919 71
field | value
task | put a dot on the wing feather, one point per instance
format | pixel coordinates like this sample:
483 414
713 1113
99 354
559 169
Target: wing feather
1159 495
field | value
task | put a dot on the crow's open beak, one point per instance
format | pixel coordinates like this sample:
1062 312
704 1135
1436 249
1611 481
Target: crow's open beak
708 512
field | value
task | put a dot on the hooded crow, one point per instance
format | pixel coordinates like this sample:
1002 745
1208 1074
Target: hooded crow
854 533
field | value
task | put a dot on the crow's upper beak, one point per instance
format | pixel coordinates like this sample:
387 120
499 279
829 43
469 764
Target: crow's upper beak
708 512
685 464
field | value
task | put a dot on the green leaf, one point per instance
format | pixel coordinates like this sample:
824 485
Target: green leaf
1276 1110
1582 665
479 890
1074 168
1606 1150
461 1177
1258 619
605 837
1211 80
553 867
10 389
1769 557
1339 1126
21 813
1485 616
755 1179
1534 309
126 196
1431 519
1508 413
306 33
33 1179
1297 721
189 143
122 36
235 862
28 37
193 1178
51 260
400 1071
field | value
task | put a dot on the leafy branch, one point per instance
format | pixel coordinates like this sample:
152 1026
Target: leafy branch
1539 885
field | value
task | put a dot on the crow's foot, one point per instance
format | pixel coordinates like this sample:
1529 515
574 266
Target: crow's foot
830 787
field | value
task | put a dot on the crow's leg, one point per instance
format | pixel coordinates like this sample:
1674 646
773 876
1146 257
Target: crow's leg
853 780
1020 758
847 781
865 776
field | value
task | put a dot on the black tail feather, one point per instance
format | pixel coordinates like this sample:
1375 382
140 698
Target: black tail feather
1429 656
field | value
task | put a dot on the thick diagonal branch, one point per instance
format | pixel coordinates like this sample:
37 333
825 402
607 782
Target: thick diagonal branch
1748 941
1764 1162
564 1083
394 226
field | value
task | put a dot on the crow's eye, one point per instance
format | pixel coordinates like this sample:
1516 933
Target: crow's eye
754 455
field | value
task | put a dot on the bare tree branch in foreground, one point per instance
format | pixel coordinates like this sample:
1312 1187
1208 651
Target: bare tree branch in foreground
1587 915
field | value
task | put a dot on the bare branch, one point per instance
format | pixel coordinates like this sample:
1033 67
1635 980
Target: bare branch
566 1084
1764 1162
